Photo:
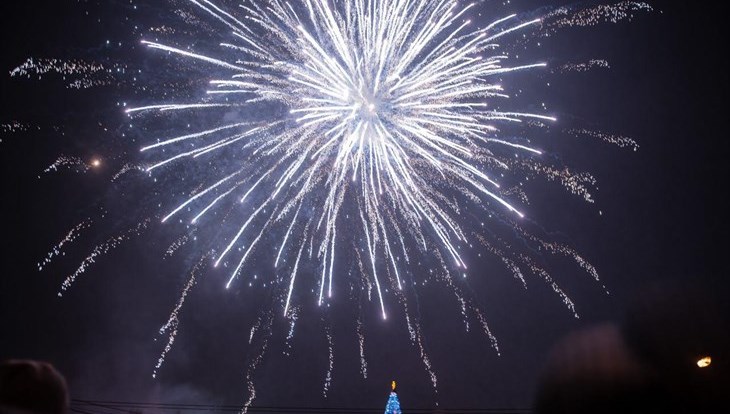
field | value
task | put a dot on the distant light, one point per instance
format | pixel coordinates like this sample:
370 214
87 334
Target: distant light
704 362
95 162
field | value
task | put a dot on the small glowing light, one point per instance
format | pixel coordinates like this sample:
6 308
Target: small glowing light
392 385
95 162
704 362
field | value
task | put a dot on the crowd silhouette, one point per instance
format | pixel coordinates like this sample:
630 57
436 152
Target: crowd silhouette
32 387
668 354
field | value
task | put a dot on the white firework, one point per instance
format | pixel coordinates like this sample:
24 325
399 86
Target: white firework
389 107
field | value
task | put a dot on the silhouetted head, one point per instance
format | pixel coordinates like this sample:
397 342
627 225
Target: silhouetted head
32 387
593 371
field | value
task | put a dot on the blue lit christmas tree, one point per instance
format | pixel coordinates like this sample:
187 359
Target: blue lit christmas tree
393 406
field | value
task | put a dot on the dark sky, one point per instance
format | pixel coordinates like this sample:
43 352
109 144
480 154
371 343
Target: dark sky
663 222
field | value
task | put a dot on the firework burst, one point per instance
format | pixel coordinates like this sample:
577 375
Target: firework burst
346 134
389 106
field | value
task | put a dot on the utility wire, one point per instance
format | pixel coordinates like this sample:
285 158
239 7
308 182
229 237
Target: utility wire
143 408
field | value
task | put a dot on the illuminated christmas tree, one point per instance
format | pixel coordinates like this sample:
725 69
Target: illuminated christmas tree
393 406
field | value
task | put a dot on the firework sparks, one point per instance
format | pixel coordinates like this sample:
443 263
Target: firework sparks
584 66
101 249
361 347
69 162
72 235
86 74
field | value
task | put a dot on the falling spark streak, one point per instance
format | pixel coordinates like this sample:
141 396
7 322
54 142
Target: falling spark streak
101 249
263 327
361 343
293 316
331 362
200 194
226 65
72 235
189 136
293 277
173 321
177 244
172 107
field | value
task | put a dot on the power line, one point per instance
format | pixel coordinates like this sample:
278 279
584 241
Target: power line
96 407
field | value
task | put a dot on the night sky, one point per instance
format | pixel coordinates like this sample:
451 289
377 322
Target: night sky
659 220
